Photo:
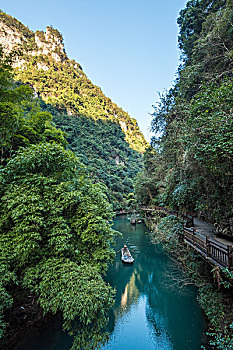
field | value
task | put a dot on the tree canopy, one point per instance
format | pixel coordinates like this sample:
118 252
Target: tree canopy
193 144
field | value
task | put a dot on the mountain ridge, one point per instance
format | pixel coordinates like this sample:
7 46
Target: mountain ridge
43 53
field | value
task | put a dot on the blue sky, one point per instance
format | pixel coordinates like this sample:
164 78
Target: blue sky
127 47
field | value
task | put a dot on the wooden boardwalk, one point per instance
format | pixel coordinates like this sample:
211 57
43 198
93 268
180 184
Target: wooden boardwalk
216 253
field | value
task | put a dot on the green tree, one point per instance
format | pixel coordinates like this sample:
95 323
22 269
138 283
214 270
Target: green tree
55 237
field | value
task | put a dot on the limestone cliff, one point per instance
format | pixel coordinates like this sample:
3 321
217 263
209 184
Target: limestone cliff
15 36
61 82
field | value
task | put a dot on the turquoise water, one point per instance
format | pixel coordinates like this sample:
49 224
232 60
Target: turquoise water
151 312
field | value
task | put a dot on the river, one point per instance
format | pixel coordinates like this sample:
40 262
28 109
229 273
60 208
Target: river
151 311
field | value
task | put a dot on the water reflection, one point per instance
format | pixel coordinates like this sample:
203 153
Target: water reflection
130 293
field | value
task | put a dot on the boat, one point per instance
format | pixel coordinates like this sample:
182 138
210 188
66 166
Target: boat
126 256
133 220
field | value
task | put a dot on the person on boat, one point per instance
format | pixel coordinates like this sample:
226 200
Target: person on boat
125 250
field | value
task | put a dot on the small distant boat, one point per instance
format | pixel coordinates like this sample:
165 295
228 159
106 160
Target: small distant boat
139 221
126 257
133 220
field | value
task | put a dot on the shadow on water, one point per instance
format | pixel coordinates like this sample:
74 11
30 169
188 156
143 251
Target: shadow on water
150 311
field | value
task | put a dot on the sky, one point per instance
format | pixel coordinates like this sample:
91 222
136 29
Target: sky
129 48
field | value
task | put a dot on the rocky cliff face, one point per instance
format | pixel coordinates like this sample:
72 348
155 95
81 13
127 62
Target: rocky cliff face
10 38
50 42
59 81
15 36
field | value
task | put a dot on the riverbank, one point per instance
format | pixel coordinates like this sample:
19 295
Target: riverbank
215 293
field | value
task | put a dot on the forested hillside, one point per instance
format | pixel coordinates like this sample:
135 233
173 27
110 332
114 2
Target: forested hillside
189 165
55 231
106 139
101 146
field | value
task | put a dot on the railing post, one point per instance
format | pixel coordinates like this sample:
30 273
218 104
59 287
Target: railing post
229 253
207 246
194 243
181 235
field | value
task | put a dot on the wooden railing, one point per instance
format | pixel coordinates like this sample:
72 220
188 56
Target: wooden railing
219 254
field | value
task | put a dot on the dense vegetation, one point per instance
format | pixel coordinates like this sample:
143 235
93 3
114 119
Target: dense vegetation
65 86
101 146
189 165
55 235
100 133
